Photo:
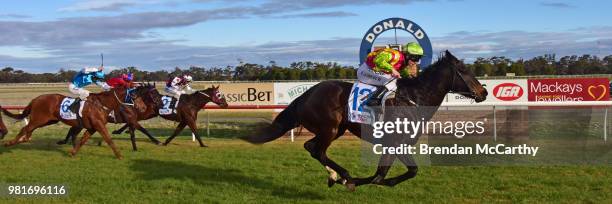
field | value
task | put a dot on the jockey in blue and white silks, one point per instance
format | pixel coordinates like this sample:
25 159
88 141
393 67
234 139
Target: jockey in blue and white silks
86 77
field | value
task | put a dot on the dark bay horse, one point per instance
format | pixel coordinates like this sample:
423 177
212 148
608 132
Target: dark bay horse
186 112
148 94
44 110
323 111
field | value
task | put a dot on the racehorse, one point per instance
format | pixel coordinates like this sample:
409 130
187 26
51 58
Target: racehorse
3 130
323 111
148 94
186 112
44 110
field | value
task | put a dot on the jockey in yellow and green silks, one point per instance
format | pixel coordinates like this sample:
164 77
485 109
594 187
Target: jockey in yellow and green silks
384 66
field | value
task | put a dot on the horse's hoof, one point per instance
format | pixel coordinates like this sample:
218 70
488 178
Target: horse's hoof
330 182
350 185
61 143
116 132
203 145
157 142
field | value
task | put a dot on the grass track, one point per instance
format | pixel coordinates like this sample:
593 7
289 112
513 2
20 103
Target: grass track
280 172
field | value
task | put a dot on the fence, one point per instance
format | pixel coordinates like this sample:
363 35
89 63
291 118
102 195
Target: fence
494 107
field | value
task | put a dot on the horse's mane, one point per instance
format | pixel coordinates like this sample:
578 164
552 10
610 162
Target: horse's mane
427 76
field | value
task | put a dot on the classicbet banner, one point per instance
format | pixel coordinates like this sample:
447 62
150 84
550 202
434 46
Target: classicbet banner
499 91
284 93
576 89
248 93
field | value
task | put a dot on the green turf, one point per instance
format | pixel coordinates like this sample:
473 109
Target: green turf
231 170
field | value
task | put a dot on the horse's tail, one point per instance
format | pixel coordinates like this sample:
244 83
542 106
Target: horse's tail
285 121
21 116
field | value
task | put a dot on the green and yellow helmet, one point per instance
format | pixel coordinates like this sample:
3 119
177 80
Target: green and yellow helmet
413 48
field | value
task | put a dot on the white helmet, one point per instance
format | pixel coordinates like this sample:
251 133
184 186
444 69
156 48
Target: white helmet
188 78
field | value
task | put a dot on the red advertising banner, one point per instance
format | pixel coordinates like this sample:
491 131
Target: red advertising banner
570 89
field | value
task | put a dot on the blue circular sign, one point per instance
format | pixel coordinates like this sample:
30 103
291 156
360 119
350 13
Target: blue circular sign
401 24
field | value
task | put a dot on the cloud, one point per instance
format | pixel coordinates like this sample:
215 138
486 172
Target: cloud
163 54
12 15
556 5
319 15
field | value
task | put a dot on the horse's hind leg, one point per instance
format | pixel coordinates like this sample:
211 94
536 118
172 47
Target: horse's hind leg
146 132
133 139
178 130
408 161
72 133
26 132
384 164
84 139
120 130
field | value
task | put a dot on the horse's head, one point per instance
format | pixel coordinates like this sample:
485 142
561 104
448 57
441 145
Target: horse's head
215 96
464 81
3 130
150 94
145 96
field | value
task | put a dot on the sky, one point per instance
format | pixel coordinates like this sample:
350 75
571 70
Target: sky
44 36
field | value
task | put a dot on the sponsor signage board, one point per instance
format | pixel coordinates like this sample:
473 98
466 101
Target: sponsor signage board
569 89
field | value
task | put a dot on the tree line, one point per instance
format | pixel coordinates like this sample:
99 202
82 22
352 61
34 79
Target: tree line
493 66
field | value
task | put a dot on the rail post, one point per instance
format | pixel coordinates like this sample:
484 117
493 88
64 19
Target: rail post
207 124
292 135
494 125
605 126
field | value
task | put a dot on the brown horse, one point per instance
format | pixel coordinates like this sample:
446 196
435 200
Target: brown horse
3 129
323 111
186 112
149 95
44 110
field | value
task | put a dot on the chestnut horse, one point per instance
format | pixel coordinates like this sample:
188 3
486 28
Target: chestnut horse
186 112
149 95
44 110
323 111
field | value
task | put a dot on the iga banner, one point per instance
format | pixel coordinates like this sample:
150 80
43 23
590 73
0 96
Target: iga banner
286 92
571 89
510 90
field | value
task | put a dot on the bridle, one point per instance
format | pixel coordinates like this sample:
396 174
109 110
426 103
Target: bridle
456 73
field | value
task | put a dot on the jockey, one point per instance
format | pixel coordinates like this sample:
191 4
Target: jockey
176 86
125 80
84 78
384 66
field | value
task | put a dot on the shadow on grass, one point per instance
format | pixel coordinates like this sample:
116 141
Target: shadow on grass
215 132
154 170
41 144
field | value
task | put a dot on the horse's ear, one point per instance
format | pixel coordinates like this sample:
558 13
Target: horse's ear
448 54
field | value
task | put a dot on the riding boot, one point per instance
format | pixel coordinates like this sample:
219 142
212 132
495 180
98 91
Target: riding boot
376 98
75 106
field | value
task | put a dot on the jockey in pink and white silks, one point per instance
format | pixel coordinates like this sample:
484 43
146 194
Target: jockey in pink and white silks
384 66
178 85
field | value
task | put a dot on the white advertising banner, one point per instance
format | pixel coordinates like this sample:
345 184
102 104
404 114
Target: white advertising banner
285 92
506 90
